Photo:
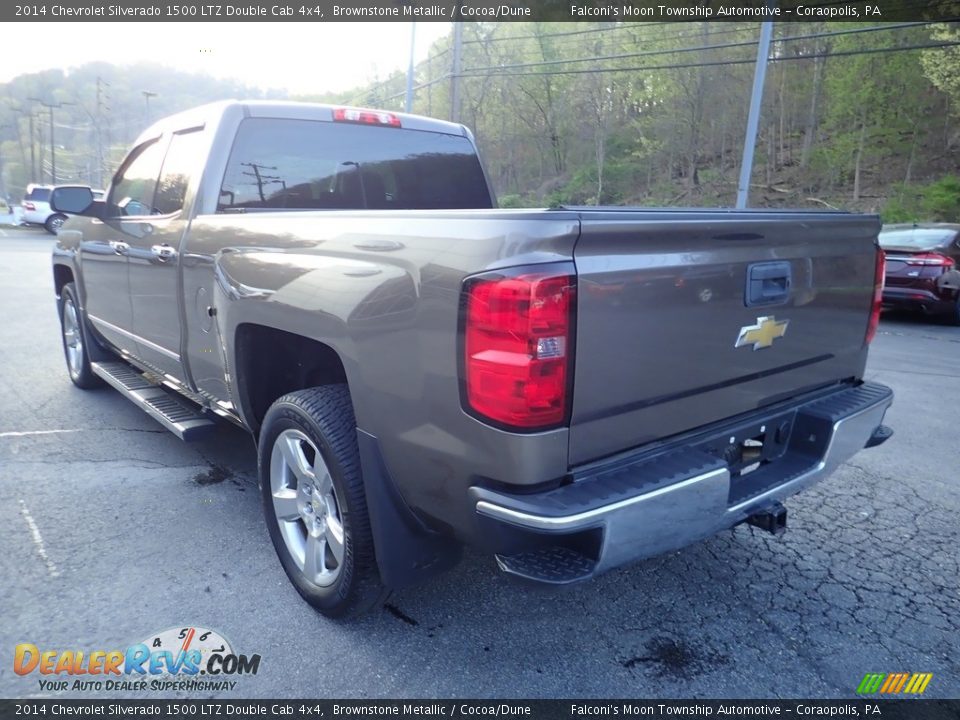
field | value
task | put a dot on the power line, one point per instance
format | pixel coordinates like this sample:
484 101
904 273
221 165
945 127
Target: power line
699 48
633 40
717 63
499 69
570 33
382 85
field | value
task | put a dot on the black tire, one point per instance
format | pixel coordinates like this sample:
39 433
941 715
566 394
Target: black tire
54 222
76 339
324 415
954 317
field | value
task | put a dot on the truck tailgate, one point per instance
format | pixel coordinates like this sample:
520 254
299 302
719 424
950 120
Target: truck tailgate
664 299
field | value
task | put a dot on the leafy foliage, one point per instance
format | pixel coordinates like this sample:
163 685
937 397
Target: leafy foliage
938 201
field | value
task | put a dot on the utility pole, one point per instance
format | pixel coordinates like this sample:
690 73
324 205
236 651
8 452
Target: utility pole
146 96
3 185
408 104
53 147
455 76
99 122
53 151
753 119
33 157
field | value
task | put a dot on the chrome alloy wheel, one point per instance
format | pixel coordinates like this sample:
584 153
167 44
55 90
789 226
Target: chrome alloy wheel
306 506
72 338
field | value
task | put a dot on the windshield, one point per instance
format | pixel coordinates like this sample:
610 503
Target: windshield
920 238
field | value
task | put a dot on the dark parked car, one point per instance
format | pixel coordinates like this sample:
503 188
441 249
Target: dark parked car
922 262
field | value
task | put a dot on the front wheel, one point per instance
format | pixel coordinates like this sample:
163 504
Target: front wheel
314 503
75 348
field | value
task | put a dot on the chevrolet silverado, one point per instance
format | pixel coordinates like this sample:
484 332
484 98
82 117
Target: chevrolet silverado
569 389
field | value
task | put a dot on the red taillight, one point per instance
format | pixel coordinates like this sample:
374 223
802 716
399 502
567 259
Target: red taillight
931 259
878 279
518 340
366 117
29 206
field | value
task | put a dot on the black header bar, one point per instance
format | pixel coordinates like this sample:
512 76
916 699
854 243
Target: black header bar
477 10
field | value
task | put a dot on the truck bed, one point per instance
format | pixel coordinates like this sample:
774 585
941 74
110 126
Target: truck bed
660 304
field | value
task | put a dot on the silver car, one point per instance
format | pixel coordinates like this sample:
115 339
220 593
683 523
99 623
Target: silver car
37 211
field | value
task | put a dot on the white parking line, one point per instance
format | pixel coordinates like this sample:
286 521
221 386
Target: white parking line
25 433
38 540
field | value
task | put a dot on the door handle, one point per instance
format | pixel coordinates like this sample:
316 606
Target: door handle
163 253
768 283
120 248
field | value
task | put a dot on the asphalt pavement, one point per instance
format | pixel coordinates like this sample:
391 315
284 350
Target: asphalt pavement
111 530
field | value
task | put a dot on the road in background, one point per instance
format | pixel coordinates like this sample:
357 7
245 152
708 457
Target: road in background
112 529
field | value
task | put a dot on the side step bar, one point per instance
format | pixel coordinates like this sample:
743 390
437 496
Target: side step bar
176 415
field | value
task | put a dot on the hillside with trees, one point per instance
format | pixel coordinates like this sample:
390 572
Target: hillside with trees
859 116
99 109
855 115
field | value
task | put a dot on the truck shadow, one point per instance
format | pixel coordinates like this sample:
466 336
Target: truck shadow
800 613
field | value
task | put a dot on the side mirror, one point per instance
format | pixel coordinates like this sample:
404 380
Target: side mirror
75 199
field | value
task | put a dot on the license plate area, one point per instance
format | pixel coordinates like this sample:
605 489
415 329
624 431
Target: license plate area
756 453
749 447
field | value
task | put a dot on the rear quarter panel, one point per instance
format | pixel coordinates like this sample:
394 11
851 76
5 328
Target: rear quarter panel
383 290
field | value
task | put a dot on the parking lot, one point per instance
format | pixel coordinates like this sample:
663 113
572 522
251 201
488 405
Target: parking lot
112 530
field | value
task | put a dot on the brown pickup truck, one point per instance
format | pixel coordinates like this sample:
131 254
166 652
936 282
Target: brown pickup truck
569 389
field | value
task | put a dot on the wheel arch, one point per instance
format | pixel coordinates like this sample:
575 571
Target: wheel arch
62 274
270 363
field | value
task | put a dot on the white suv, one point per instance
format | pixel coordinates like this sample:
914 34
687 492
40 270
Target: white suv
36 208
37 211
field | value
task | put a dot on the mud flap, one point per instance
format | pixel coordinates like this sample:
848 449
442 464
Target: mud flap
96 349
407 552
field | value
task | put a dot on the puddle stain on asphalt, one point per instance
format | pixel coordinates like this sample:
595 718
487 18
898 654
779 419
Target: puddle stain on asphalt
675 658
213 475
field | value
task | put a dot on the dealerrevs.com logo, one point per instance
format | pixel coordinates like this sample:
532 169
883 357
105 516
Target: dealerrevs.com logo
184 658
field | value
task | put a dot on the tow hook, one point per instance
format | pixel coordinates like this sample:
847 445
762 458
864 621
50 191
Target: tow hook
773 519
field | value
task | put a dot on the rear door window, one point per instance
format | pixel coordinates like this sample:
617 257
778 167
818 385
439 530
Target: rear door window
280 164
180 164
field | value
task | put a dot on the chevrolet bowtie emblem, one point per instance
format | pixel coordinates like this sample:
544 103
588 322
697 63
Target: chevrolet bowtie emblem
763 333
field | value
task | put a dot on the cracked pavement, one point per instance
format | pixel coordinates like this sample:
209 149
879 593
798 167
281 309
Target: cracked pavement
140 532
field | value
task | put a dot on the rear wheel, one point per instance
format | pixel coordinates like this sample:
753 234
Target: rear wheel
314 503
54 223
75 348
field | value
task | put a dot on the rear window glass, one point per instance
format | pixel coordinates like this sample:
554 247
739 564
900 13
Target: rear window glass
39 194
310 165
916 237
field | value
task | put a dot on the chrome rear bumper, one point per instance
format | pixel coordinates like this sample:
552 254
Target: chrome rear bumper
683 510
